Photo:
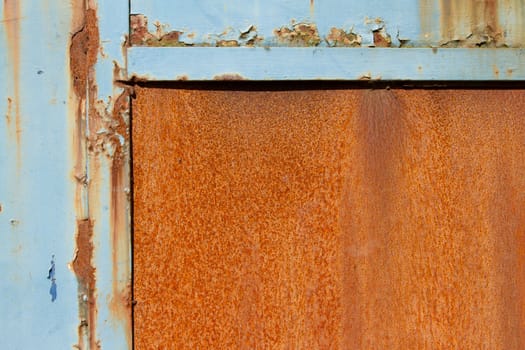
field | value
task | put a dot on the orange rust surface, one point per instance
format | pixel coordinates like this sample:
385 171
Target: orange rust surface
380 219
85 272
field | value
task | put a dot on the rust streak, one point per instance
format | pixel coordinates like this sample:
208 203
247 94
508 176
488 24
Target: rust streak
12 27
120 304
470 24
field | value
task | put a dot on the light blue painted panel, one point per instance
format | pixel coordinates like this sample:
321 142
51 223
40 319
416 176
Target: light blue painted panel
423 22
37 220
200 63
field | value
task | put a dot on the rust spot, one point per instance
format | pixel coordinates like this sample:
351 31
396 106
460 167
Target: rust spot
509 72
229 76
182 77
312 9
9 113
298 34
85 273
434 50
11 22
339 37
381 38
1 208
495 70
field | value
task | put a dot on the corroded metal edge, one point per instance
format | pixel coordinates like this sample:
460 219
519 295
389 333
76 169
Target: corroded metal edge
102 261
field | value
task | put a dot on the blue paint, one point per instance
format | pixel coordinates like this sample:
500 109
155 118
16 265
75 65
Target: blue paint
281 63
37 189
51 276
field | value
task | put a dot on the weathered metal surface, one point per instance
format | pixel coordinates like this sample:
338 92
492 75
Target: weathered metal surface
102 113
344 40
37 221
350 219
325 63
408 23
64 226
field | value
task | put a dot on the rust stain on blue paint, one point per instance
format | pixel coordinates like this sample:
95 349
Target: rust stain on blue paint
11 22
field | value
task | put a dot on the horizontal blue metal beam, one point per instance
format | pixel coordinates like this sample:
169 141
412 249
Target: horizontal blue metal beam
282 63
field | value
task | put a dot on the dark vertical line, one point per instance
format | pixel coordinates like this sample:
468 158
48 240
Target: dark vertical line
132 221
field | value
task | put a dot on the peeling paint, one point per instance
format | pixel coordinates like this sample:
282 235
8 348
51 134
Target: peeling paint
341 38
298 34
381 37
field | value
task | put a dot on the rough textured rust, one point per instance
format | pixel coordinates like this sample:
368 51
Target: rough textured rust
298 34
11 22
139 30
383 219
339 37
85 272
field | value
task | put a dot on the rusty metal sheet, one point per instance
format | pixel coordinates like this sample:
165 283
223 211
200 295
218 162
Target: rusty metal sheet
333 219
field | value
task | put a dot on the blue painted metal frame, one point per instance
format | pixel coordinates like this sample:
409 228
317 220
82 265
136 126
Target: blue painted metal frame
279 63
420 32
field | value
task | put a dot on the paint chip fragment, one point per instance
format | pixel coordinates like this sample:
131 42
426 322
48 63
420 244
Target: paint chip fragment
298 34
